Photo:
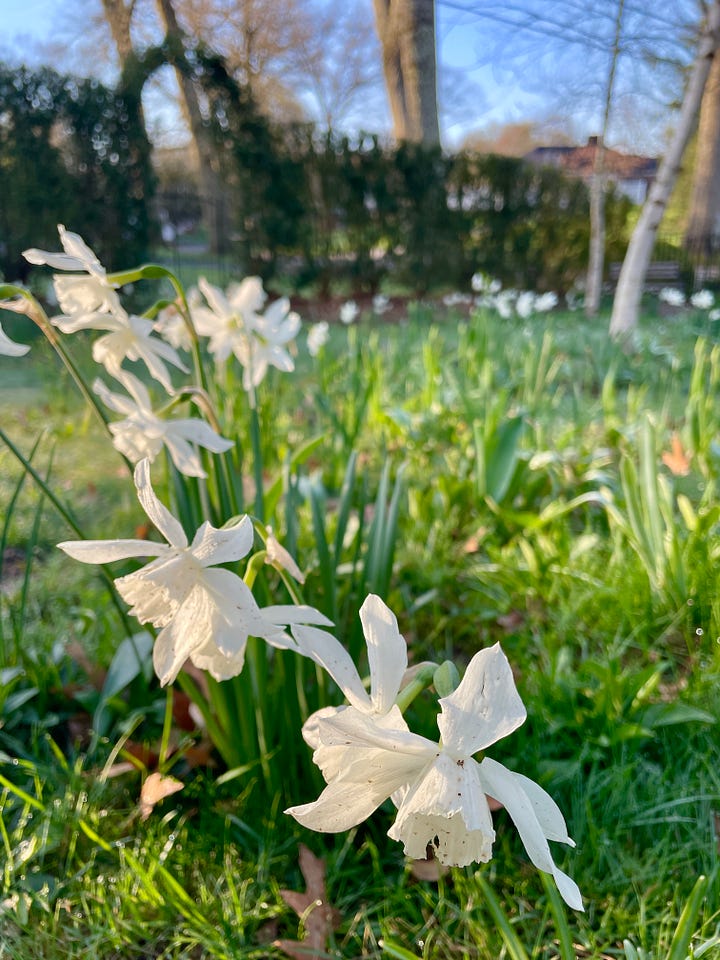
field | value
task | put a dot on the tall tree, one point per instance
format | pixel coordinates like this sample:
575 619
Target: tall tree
703 224
626 306
406 29
203 149
596 257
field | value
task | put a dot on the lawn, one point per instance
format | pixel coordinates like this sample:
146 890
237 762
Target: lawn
520 480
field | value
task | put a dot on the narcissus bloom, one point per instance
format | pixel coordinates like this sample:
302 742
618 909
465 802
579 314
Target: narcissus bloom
89 293
234 324
9 348
143 433
205 614
317 337
91 302
440 789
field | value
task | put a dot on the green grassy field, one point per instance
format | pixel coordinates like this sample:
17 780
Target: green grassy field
556 493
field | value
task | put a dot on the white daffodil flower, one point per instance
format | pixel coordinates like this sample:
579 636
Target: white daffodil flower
8 347
129 337
317 337
205 614
143 433
90 302
77 295
349 312
387 660
702 299
234 324
443 790
170 325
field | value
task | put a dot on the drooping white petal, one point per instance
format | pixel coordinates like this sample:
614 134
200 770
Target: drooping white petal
212 546
201 433
326 650
484 708
352 797
277 554
106 551
508 789
446 810
157 512
113 401
387 652
546 810
184 456
295 613
9 348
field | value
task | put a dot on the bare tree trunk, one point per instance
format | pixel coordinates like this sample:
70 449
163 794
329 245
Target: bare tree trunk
596 259
118 14
704 219
406 29
628 294
202 146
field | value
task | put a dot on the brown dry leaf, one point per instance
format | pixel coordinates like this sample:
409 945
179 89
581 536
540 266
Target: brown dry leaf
472 544
155 789
676 459
318 916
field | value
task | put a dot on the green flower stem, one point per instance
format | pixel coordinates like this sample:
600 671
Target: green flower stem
257 462
422 679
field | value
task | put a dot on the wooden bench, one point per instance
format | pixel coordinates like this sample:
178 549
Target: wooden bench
659 273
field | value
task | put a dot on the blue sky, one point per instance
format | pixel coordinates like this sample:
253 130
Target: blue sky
499 82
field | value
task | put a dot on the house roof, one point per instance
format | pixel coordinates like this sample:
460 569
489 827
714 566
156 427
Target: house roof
579 161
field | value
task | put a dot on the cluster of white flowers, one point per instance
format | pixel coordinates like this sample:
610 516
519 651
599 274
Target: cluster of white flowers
349 312
232 322
509 302
234 325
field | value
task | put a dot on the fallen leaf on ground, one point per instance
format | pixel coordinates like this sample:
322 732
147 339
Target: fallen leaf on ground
676 459
155 789
319 917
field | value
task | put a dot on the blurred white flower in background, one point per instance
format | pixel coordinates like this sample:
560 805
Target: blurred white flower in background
349 312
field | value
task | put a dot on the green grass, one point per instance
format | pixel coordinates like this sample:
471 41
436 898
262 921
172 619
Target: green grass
518 440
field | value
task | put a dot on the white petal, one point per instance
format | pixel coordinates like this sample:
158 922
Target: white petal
358 729
387 652
295 613
199 432
212 546
184 456
181 636
546 810
157 512
9 348
351 798
447 810
105 551
113 401
326 650
507 788
484 708
332 759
